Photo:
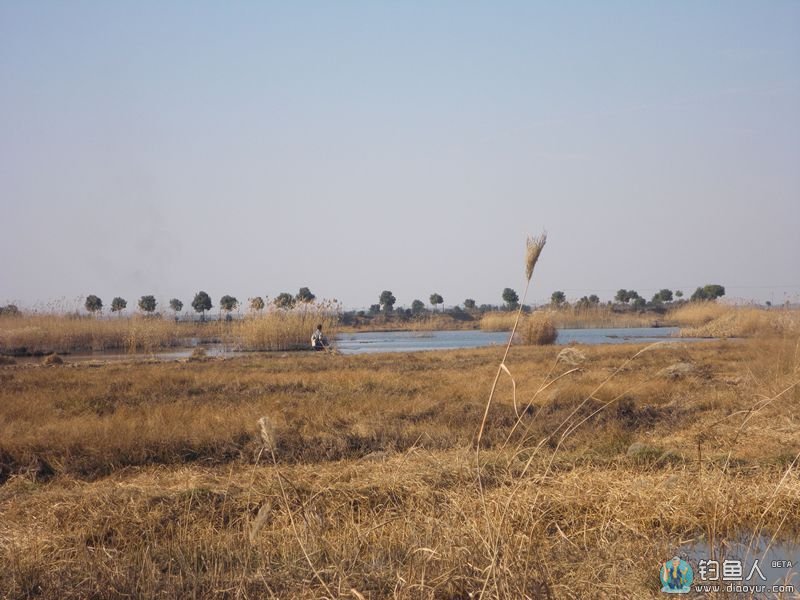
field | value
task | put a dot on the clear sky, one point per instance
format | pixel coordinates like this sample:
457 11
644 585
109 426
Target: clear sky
250 148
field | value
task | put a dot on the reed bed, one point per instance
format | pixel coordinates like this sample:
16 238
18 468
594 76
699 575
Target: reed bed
279 329
537 328
747 322
534 328
697 314
576 318
603 316
44 334
498 321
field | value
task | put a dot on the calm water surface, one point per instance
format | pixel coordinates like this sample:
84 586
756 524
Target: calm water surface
413 341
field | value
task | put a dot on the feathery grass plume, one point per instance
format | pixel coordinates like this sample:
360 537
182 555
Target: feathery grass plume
52 359
571 356
267 430
258 522
533 250
199 354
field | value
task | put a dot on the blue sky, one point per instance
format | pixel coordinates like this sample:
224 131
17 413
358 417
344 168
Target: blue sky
251 148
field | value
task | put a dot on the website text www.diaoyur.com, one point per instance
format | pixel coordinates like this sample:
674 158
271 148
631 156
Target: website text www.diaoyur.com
745 588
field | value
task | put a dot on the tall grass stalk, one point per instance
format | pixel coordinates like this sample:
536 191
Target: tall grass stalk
534 248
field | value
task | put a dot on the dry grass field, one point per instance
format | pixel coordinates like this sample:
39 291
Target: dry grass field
310 475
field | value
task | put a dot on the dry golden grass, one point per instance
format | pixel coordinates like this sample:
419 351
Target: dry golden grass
269 330
44 334
696 314
537 328
154 479
574 317
498 321
747 322
603 316
279 329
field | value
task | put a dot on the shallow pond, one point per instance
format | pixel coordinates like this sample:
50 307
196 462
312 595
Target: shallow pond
413 341
404 341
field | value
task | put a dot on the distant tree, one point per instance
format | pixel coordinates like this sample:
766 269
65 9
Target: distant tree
593 299
201 303
93 304
510 298
176 306
625 296
257 303
228 303
558 298
469 304
118 304
664 295
436 299
387 301
714 291
147 304
9 310
417 306
374 309
583 302
698 295
639 302
768 304
678 293
708 292
284 300
305 295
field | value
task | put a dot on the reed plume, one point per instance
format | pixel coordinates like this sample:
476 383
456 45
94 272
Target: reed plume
533 250
267 431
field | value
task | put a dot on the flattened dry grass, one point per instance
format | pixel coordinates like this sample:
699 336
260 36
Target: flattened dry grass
403 527
160 484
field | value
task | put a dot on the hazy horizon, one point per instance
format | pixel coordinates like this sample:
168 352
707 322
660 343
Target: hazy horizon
252 149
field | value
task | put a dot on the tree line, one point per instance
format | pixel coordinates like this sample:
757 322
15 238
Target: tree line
387 300
202 302
710 291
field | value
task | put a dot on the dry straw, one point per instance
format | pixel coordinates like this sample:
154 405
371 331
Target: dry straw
533 250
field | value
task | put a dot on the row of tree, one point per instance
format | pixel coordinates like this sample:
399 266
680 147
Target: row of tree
387 300
201 302
632 297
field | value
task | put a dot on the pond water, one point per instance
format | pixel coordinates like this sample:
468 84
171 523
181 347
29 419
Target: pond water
405 341
413 341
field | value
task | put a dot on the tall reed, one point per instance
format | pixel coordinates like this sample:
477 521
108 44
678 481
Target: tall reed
281 329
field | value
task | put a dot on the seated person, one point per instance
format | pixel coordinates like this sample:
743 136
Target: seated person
318 339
